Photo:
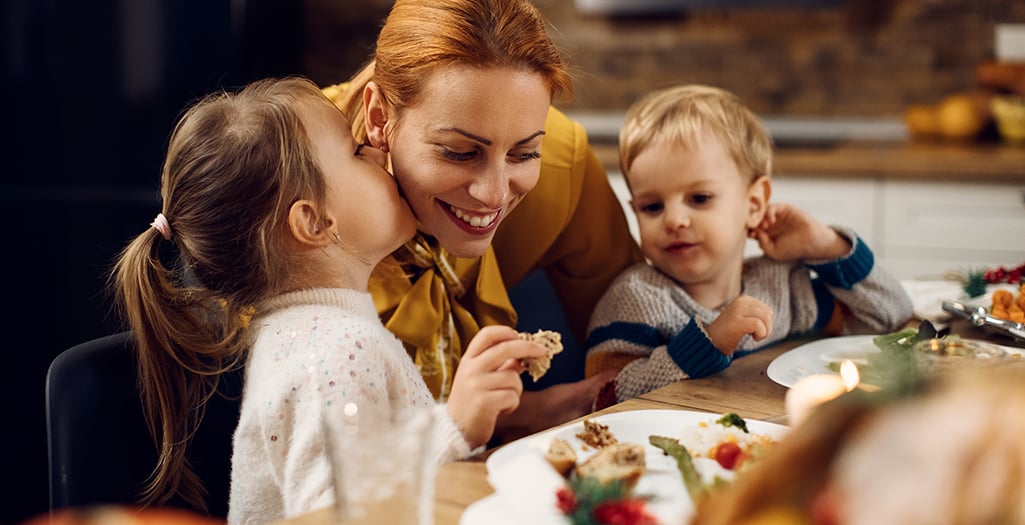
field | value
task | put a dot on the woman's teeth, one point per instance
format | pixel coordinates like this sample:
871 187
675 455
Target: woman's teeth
476 221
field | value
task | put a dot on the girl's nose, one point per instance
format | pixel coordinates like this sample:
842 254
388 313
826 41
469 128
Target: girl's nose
373 154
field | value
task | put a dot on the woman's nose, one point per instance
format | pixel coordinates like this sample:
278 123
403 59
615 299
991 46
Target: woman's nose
491 187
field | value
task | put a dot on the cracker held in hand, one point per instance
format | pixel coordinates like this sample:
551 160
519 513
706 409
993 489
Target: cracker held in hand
551 340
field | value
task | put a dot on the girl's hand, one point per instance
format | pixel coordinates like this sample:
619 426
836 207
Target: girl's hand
487 382
744 315
787 233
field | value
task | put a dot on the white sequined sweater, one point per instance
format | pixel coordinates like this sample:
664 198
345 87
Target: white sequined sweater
313 353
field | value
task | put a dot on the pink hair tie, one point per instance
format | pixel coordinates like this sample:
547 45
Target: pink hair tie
161 225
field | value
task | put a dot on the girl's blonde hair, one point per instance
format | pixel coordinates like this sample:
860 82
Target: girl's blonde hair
678 115
421 36
235 164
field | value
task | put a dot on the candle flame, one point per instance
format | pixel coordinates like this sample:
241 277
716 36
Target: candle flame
850 375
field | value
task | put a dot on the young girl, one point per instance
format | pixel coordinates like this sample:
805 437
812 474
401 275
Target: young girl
273 219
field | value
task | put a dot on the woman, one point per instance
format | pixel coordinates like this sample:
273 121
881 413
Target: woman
459 94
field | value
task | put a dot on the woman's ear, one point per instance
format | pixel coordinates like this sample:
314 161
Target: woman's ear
376 109
758 194
307 226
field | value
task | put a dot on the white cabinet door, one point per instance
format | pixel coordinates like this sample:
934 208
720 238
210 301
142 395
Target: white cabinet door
936 227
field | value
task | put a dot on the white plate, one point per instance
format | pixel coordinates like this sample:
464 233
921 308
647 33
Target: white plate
814 357
671 504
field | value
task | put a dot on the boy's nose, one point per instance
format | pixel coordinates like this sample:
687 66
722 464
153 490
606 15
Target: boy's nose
676 217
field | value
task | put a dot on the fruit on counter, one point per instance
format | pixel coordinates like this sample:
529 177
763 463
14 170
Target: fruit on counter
960 116
1009 114
921 121
1004 77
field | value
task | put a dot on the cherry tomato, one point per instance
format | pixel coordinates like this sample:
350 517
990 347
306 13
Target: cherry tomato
727 454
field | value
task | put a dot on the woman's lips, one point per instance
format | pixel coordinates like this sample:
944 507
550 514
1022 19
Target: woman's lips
475 223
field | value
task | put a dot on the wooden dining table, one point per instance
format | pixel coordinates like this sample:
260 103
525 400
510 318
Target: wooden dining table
743 388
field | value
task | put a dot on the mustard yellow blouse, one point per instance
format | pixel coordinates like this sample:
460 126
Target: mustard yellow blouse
571 225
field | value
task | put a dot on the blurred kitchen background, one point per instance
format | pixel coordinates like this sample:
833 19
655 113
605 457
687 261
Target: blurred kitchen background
93 90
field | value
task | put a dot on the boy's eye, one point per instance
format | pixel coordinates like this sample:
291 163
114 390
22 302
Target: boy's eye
650 208
701 198
458 156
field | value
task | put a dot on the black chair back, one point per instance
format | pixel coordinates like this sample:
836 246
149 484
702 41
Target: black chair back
100 451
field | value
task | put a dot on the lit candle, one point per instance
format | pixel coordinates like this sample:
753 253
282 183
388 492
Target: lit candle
811 391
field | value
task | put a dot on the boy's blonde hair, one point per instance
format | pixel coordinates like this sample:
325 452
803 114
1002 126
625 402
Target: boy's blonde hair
678 115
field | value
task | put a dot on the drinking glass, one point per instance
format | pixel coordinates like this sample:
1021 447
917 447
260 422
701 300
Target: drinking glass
382 466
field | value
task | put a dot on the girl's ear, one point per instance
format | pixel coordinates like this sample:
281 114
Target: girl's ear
376 109
758 194
306 225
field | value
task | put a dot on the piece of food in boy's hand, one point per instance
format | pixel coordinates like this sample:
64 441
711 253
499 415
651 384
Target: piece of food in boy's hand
597 435
561 456
552 341
622 462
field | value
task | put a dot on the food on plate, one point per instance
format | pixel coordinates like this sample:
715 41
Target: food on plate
538 366
910 355
561 456
618 462
1008 306
597 435
691 478
727 440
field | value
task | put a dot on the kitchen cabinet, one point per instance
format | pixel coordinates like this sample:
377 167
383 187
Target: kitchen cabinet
919 228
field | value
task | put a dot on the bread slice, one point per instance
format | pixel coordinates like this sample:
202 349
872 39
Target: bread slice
561 456
622 462
551 340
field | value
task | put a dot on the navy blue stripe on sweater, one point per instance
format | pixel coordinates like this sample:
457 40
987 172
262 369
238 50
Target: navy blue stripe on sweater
845 273
637 333
695 354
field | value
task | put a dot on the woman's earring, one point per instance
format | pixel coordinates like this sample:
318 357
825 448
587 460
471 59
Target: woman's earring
384 148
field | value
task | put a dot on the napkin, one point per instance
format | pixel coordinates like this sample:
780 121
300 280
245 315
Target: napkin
927 298
527 486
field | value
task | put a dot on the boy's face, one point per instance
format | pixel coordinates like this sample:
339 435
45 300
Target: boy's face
694 210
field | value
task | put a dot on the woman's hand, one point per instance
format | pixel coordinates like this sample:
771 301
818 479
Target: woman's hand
787 233
557 404
487 382
744 315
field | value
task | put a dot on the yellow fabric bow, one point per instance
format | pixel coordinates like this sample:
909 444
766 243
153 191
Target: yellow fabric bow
429 309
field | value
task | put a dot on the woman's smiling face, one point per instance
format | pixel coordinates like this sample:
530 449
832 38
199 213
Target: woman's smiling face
467 151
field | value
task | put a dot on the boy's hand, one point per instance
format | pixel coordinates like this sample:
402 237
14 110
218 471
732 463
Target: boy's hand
787 233
487 382
744 315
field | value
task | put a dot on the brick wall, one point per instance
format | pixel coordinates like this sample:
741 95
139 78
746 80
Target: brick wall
866 58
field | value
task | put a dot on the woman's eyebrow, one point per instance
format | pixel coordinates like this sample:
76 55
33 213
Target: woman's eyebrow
488 142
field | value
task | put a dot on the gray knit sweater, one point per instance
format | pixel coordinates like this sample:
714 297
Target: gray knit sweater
649 320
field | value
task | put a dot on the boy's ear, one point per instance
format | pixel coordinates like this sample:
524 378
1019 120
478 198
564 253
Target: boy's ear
758 200
376 109
307 226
